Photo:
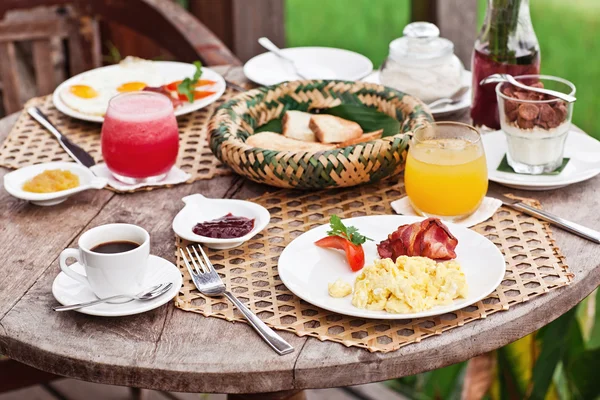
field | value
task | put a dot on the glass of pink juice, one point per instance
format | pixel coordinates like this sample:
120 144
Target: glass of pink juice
140 139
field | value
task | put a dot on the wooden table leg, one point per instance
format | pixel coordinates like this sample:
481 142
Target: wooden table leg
285 395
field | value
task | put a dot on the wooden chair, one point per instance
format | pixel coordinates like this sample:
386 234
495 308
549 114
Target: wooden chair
47 23
45 26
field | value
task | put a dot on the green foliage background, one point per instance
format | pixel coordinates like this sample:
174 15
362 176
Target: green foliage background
567 32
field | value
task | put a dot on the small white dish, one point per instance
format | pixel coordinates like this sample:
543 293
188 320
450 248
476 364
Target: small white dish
486 210
306 269
14 181
318 62
201 209
582 149
445 110
170 71
174 177
69 291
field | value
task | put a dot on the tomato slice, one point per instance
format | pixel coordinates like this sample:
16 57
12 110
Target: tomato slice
354 253
202 82
173 86
198 94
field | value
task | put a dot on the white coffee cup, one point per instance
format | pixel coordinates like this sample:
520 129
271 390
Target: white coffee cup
110 274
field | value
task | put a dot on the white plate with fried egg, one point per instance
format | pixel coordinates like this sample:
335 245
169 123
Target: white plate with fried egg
86 96
306 269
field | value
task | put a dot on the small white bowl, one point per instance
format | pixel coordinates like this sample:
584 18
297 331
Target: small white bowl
14 181
201 209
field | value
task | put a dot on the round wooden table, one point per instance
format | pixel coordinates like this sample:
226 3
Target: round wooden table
172 350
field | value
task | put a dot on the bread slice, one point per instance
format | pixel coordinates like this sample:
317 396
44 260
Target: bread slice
332 129
275 141
295 126
365 137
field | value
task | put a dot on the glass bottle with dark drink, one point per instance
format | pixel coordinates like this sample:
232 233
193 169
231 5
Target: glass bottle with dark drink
506 44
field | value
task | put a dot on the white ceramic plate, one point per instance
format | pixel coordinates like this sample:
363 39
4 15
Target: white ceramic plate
307 269
319 62
69 291
445 110
200 209
13 182
170 70
582 149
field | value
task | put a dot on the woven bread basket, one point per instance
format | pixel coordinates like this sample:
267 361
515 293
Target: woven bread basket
362 163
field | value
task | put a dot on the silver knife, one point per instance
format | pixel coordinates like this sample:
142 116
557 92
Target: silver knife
235 86
77 153
572 227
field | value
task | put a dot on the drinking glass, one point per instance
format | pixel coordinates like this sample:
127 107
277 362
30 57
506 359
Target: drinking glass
535 139
446 172
140 139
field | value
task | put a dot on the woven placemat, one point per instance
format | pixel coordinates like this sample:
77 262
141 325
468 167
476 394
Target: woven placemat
534 267
29 143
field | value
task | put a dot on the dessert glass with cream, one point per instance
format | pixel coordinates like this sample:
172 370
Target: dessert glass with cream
536 125
422 64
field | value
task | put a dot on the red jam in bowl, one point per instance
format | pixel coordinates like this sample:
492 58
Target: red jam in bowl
227 227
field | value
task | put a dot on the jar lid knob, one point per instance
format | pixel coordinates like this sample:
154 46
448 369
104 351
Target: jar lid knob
421 30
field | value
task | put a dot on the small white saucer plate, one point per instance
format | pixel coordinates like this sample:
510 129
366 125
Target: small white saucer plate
13 182
445 110
582 149
201 209
69 291
319 62
307 269
171 71
486 210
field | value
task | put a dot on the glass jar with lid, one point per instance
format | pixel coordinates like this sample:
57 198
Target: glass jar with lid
422 64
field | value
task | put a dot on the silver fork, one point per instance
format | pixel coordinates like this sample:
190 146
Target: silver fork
209 283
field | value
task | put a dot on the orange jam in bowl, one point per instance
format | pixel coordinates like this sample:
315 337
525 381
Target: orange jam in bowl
50 181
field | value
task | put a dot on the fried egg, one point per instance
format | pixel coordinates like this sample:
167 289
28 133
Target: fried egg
411 284
87 97
92 92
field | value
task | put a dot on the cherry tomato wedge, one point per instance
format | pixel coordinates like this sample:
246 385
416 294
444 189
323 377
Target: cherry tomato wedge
198 94
354 252
202 82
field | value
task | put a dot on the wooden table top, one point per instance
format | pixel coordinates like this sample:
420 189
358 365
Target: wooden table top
169 349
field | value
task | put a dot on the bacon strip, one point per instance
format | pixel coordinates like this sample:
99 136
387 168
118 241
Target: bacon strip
429 238
163 90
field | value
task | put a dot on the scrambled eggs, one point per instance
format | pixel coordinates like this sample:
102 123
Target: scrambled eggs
412 284
339 288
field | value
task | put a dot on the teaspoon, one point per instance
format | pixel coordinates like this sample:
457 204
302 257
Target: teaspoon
147 294
496 78
453 99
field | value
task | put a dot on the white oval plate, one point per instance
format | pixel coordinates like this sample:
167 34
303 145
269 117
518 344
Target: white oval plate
170 70
445 110
268 69
582 149
200 209
307 269
69 291
13 182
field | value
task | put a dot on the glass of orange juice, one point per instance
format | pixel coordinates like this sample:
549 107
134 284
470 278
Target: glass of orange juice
446 173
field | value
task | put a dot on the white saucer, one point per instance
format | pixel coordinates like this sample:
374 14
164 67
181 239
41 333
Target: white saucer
68 291
582 149
486 210
441 111
322 63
